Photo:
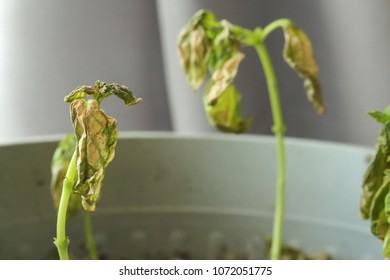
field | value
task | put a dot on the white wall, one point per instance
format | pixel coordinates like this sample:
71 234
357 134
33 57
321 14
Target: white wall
47 48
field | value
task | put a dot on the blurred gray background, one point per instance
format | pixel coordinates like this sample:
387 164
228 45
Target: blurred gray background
49 47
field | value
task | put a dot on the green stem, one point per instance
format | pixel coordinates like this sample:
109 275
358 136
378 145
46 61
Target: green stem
278 130
62 241
274 25
90 241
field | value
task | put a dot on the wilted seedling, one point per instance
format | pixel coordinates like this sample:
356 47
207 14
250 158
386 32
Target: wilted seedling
81 159
207 46
60 163
375 198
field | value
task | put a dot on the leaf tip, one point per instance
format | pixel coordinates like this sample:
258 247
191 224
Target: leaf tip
136 101
321 111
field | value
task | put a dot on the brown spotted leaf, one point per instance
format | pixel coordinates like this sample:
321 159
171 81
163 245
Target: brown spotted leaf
374 175
225 45
96 136
224 112
375 198
378 217
298 53
223 77
194 49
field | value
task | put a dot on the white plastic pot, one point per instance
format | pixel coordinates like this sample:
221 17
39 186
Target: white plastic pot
167 195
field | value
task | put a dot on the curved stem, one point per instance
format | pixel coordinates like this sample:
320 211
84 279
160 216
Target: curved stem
61 241
278 130
274 25
90 241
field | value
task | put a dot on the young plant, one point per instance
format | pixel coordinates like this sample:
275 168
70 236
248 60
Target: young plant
59 166
375 198
206 45
80 160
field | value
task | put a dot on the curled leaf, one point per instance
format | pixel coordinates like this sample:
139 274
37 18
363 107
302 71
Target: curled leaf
200 18
223 77
59 166
224 113
96 136
194 49
375 199
224 61
225 45
79 93
374 175
378 217
102 90
298 53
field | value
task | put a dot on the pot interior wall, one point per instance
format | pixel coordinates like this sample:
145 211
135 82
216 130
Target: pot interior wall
169 196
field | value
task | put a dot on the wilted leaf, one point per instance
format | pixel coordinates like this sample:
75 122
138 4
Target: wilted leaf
201 17
375 200
374 175
194 49
59 166
194 52
102 90
378 217
225 46
224 113
298 53
225 60
96 136
80 93
223 77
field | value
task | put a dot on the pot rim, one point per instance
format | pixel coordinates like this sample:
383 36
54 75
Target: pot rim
169 135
